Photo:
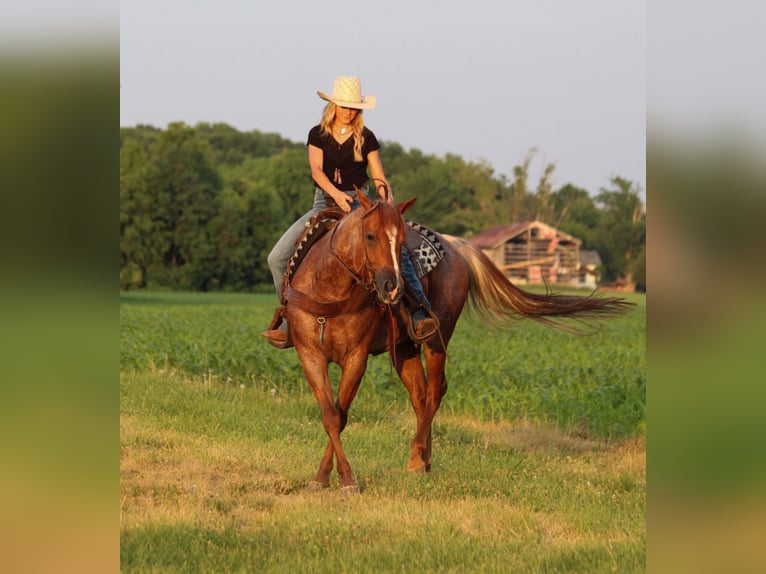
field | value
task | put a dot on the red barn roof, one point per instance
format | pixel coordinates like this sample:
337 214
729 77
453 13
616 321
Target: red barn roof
496 236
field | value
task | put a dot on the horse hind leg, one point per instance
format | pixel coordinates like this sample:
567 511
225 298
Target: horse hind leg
435 391
410 370
429 439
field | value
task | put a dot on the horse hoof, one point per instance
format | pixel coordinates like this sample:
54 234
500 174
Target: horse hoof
316 486
417 468
349 490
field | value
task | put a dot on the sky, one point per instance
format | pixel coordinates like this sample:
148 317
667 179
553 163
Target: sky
705 72
485 80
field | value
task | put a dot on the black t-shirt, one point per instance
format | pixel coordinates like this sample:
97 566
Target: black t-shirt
341 157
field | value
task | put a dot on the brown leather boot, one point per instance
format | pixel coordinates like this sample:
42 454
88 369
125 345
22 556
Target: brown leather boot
278 338
422 326
278 334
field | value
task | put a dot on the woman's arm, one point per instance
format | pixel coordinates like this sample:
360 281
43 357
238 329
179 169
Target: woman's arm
316 162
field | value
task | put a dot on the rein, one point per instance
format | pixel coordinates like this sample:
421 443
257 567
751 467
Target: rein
359 278
365 277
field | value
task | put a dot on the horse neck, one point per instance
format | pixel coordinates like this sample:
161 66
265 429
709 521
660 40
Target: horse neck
346 244
335 264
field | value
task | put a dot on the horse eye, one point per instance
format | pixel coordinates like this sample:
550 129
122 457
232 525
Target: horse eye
370 236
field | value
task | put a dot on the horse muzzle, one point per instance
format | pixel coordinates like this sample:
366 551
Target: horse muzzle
390 287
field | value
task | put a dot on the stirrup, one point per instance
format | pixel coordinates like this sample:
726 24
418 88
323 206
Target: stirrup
425 329
276 336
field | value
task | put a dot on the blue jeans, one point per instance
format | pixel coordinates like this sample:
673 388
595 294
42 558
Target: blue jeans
285 247
411 278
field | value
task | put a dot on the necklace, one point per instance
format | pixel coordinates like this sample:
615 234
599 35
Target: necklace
342 130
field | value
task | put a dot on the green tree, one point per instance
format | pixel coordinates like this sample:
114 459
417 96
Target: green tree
576 213
621 235
521 204
231 147
142 135
183 185
136 222
454 196
200 208
544 208
242 232
262 197
471 193
423 176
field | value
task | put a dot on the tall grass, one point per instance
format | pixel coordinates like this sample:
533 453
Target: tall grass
592 384
539 455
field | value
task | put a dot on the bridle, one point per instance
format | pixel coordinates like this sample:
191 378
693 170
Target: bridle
366 280
365 276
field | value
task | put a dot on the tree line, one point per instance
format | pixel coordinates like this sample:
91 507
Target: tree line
201 206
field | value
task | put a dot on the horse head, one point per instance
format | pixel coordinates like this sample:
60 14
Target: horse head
383 233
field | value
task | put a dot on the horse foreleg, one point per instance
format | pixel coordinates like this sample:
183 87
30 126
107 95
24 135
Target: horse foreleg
352 370
322 478
317 376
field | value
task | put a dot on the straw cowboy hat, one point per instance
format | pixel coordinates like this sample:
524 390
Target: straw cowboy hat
347 93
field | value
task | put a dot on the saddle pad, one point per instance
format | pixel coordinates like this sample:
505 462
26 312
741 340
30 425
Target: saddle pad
425 248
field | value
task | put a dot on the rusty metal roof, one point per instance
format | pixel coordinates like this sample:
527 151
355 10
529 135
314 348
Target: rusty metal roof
500 234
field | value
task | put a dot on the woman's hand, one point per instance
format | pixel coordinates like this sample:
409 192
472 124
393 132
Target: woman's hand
343 200
386 193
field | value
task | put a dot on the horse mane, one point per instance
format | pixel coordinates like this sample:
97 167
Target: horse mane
316 228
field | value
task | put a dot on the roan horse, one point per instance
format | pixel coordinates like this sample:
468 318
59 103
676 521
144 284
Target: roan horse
343 305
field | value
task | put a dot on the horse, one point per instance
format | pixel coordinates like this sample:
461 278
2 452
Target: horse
343 304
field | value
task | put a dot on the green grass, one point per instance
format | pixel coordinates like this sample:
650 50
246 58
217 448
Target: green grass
539 451
594 384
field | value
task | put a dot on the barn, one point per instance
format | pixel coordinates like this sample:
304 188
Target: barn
534 252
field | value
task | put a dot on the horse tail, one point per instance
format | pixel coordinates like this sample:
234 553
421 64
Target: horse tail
499 302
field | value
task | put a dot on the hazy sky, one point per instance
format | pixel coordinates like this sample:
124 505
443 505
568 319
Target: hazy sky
486 80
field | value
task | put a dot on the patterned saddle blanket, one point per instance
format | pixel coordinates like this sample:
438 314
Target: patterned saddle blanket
425 248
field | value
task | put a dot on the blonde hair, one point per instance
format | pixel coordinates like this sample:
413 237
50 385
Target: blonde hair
325 128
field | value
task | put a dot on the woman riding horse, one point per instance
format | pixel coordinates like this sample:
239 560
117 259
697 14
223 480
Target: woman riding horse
361 264
341 149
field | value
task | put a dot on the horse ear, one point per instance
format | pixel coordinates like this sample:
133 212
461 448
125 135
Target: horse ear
405 205
364 201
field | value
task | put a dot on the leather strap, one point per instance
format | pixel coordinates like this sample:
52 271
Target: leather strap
306 302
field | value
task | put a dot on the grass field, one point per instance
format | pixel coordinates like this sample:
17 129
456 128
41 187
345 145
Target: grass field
539 451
